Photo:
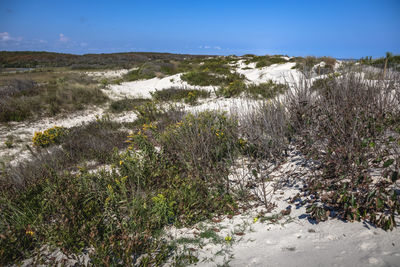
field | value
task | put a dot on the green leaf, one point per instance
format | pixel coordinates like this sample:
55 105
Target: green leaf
388 163
395 176
353 201
372 144
371 194
379 203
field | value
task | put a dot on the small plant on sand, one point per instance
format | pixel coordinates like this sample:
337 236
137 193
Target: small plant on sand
9 143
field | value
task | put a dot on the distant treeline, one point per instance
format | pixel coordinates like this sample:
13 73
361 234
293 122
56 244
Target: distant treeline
30 59
392 61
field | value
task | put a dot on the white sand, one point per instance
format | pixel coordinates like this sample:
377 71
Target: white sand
280 73
108 74
143 88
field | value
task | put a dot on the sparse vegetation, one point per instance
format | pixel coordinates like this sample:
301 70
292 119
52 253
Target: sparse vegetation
215 71
312 65
82 62
266 90
265 61
22 99
390 60
127 104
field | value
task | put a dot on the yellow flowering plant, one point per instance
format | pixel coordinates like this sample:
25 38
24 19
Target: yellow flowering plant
49 136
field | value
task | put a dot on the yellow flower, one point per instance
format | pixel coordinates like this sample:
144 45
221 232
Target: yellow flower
255 219
228 238
121 162
29 232
109 187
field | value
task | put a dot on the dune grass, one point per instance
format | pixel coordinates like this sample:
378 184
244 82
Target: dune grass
24 98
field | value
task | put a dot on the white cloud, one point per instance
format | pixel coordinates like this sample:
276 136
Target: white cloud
6 37
210 47
83 44
63 38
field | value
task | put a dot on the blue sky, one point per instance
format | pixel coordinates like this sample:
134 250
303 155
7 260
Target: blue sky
343 29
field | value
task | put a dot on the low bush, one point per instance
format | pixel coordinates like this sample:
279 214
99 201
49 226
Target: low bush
308 66
345 128
233 89
127 104
202 142
205 78
265 61
265 138
94 141
266 90
50 136
61 95
17 87
151 69
177 94
138 74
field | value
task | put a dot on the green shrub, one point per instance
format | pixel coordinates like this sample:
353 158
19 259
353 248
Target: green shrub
50 99
205 78
149 112
50 136
265 61
127 104
104 82
96 140
9 142
348 120
266 90
201 140
194 95
233 89
138 74
177 94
